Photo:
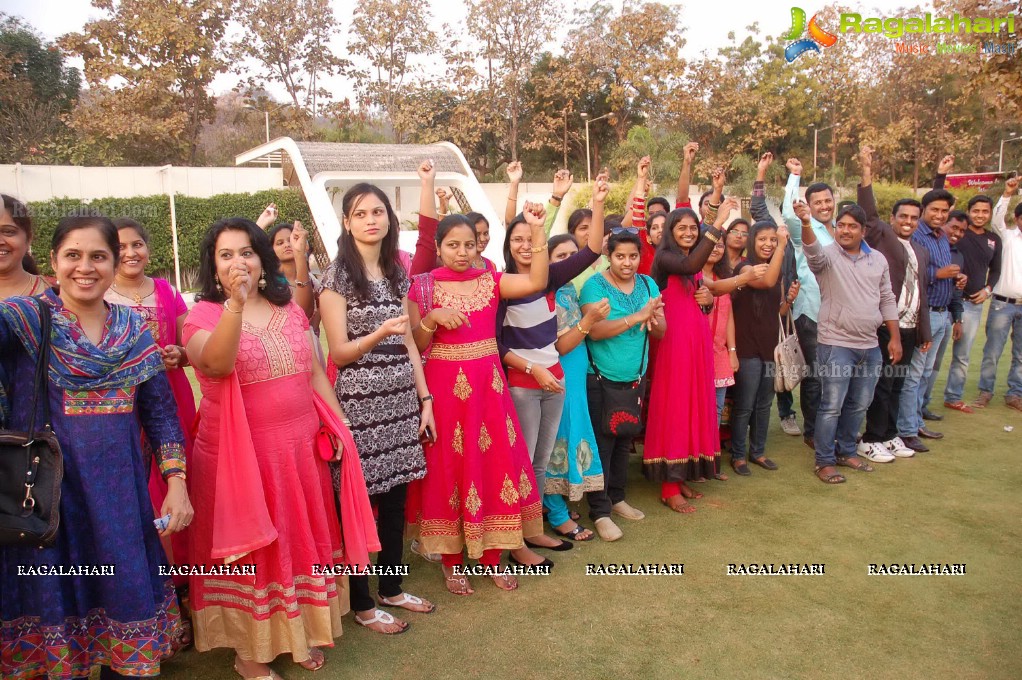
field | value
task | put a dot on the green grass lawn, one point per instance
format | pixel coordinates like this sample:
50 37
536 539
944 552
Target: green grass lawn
957 504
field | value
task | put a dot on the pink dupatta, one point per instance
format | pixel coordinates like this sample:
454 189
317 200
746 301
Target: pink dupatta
358 526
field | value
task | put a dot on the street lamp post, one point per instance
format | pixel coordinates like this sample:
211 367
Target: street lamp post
816 139
266 119
585 116
1000 157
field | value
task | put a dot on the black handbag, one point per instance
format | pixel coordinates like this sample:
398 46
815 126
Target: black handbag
31 465
622 401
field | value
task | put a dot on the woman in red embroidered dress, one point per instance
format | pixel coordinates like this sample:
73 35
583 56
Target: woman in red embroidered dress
252 351
479 491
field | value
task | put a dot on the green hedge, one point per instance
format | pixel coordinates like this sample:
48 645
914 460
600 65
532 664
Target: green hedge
194 217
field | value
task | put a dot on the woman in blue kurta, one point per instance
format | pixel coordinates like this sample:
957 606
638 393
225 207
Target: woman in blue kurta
106 385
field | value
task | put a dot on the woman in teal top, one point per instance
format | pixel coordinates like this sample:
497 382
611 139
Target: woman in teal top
618 349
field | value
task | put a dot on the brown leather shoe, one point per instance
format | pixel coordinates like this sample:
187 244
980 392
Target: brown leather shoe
1013 402
927 433
982 400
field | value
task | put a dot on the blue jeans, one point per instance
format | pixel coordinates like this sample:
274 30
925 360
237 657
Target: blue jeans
913 392
959 368
930 377
785 405
1004 318
847 378
721 396
750 415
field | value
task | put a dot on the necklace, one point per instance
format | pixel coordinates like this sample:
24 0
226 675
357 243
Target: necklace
137 295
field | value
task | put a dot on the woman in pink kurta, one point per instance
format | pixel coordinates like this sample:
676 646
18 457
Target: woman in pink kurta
479 492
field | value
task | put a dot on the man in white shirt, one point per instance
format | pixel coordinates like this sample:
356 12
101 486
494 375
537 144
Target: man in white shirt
1005 315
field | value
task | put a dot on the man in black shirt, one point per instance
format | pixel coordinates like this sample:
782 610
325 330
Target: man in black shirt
981 253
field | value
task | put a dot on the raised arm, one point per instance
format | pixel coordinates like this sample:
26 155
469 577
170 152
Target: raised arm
999 219
791 197
685 177
875 227
943 168
514 175
773 272
304 295
267 217
758 208
424 259
563 179
635 208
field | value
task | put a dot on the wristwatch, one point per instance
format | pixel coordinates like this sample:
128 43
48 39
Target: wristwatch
528 368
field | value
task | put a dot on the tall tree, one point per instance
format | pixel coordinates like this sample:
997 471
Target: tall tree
150 64
36 90
509 33
288 42
388 34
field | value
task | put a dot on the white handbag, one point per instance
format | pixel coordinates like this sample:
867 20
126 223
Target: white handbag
789 362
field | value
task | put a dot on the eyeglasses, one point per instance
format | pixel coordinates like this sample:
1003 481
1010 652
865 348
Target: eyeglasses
743 234
630 230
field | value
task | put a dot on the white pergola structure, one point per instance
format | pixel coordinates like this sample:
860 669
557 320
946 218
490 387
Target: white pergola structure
325 170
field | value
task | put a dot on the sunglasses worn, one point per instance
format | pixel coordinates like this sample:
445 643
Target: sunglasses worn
630 230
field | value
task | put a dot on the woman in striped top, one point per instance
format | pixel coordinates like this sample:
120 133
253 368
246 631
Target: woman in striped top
527 330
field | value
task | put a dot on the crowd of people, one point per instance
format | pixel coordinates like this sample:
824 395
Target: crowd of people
453 403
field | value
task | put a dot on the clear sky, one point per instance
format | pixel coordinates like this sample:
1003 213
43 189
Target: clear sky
707 21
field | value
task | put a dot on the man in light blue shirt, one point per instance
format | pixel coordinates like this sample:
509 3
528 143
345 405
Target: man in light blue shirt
820 198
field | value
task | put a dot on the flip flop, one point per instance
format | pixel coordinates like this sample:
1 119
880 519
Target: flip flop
316 658
383 617
404 599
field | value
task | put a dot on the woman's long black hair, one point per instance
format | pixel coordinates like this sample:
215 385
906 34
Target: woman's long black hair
510 267
276 291
22 220
350 259
759 302
668 244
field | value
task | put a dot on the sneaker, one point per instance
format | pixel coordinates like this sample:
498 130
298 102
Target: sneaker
790 426
958 406
1013 402
898 448
982 400
628 512
416 548
874 452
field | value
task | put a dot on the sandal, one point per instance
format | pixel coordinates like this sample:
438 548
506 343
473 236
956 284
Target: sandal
720 477
272 676
406 599
689 493
386 619
574 533
456 585
684 507
828 474
510 582
855 463
315 661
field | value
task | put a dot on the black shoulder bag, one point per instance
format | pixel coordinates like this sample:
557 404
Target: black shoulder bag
31 465
622 401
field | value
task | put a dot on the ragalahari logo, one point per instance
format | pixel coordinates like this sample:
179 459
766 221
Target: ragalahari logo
817 36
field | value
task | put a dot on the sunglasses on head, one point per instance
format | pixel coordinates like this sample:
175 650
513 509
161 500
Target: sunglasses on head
630 230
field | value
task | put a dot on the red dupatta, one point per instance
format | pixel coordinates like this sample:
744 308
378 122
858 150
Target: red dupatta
358 526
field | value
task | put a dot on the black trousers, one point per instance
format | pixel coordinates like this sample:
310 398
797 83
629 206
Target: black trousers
614 453
390 525
882 415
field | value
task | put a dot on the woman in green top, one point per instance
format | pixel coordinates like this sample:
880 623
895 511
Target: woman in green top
618 349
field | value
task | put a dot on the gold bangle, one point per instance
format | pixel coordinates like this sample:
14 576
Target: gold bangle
358 346
538 249
711 238
580 329
227 306
423 326
625 319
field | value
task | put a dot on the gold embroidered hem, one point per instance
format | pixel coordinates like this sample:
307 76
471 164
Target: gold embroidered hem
495 532
264 640
558 486
463 352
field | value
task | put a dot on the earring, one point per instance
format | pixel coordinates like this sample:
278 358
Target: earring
219 288
262 281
